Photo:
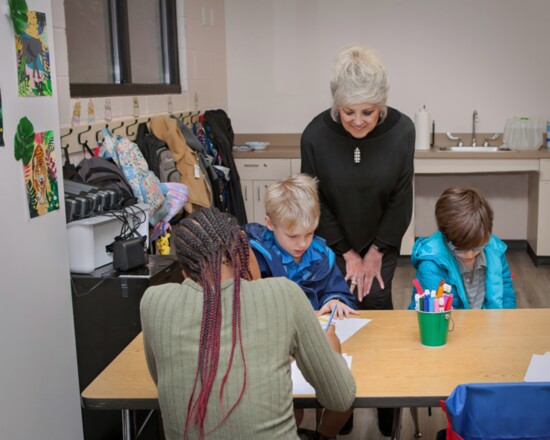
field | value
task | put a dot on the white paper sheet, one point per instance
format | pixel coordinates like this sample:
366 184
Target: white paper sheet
300 385
539 368
345 328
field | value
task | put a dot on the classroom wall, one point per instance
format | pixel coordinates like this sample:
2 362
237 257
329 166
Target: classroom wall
451 56
454 57
39 397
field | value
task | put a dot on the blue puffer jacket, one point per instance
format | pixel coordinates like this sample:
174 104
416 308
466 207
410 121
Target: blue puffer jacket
318 275
434 262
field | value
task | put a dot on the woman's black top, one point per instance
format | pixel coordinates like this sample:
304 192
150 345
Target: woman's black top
364 202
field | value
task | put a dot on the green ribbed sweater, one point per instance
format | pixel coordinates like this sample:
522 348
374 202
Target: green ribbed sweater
277 321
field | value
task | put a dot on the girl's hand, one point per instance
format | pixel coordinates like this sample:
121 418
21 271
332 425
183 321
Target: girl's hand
342 309
333 340
372 265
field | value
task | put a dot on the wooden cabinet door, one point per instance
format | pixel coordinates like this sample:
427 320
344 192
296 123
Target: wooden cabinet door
260 187
543 238
247 187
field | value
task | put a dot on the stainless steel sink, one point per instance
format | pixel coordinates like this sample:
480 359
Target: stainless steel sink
470 149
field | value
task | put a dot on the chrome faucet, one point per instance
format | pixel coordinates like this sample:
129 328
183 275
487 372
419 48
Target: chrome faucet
475 120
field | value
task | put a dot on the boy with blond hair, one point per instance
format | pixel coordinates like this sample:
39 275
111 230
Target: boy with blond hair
287 247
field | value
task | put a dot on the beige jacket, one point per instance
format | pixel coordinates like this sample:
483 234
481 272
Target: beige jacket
200 195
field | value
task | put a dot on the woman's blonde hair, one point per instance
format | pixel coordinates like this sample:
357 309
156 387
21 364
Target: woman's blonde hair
294 203
358 77
464 217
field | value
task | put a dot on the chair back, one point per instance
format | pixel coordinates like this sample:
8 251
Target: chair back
495 411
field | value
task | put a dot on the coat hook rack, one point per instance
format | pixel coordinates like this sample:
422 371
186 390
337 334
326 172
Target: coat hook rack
81 133
63 136
66 147
195 115
131 125
99 131
117 127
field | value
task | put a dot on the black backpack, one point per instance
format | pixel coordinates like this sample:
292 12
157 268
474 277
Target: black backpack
104 173
218 127
158 156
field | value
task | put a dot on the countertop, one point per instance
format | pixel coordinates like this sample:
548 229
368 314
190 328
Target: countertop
293 152
287 146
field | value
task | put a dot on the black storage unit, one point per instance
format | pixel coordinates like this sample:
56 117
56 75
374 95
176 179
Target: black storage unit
106 319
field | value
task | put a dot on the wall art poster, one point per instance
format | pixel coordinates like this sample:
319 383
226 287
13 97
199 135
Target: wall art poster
2 144
41 176
33 57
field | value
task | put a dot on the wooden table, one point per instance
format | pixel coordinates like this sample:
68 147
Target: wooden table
390 366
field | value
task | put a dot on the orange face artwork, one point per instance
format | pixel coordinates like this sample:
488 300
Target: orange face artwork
39 174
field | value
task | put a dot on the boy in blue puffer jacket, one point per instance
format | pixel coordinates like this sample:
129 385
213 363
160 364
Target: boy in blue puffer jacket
465 254
287 246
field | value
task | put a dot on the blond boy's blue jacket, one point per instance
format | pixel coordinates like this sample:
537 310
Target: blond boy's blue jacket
434 262
322 281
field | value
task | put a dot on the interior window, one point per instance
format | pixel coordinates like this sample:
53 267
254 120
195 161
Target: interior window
122 47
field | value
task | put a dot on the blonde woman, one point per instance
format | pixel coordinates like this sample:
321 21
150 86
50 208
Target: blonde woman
362 152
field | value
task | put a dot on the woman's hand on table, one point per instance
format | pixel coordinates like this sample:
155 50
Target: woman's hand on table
342 309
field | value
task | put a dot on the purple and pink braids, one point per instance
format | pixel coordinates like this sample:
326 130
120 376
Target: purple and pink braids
205 240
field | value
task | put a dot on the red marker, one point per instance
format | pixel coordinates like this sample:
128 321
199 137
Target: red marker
449 302
418 286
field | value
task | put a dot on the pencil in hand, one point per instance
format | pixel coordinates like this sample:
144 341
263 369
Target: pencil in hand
332 315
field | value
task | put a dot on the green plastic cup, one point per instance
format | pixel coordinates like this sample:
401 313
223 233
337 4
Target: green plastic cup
433 327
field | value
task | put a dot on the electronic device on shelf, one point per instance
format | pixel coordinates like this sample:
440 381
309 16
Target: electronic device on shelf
85 199
92 239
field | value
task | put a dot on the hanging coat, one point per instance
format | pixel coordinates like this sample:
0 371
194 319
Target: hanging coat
222 136
187 164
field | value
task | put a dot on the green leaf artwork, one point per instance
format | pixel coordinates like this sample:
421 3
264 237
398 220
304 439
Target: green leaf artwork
23 144
18 12
33 56
53 199
49 141
47 89
31 200
40 172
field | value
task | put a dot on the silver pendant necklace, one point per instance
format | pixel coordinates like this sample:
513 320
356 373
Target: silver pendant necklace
357 155
357 151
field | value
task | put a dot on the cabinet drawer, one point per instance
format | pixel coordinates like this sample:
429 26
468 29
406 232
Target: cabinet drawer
545 169
295 165
263 169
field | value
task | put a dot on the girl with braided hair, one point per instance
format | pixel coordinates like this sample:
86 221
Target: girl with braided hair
218 344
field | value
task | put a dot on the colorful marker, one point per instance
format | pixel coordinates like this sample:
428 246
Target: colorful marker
418 286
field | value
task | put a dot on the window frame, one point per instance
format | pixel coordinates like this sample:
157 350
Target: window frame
120 40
